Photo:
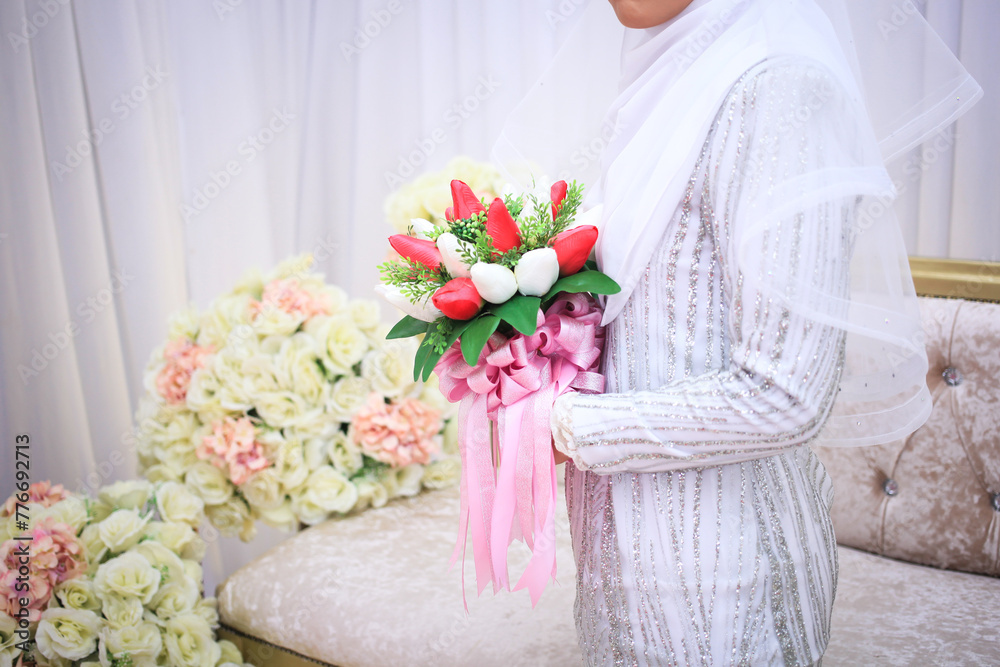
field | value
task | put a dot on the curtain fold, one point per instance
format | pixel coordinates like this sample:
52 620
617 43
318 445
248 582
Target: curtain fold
151 151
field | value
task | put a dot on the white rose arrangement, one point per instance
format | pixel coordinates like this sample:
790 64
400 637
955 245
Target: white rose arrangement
283 402
114 581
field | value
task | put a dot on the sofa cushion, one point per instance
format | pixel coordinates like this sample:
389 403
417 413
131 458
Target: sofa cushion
934 497
888 612
375 589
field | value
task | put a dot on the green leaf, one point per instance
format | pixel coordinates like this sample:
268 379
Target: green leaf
408 326
585 281
521 312
420 360
431 360
475 337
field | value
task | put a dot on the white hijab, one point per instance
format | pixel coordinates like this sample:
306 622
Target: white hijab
902 85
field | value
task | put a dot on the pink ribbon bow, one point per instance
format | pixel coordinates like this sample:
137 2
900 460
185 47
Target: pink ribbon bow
505 439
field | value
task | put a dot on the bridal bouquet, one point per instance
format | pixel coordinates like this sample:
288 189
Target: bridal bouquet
502 297
114 581
284 402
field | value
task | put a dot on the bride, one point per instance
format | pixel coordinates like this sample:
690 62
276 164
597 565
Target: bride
766 302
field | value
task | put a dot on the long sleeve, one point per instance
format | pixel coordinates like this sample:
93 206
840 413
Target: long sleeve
706 368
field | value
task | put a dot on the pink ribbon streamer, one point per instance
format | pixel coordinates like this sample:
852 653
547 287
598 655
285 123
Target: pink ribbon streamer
508 470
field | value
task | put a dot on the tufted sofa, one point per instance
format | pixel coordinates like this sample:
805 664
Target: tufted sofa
918 522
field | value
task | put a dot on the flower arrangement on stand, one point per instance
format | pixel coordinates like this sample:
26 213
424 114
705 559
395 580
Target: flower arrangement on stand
111 581
284 402
502 295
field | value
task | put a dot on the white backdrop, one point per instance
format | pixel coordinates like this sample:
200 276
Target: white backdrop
153 150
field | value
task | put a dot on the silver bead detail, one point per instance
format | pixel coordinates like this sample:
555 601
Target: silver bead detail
952 376
995 502
890 487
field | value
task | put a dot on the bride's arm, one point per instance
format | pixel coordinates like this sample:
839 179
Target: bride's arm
783 370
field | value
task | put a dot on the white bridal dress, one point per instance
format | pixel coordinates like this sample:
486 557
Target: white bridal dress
766 300
732 561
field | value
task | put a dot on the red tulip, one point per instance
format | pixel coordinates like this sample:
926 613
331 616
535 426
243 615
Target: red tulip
501 227
466 203
458 299
423 251
573 247
557 193
449 214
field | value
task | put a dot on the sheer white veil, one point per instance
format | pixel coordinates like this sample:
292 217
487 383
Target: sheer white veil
626 112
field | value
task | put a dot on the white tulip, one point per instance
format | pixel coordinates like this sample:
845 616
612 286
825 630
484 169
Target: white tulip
422 228
494 282
537 271
450 246
424 311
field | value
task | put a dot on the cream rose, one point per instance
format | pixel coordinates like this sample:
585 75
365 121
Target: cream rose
183 324
345 454
231 517
449 437
209 483
175 598
442 473
288 457
180 538
204 395
176 503
70 634
341 343
78 593
122 612
282 409
72 511
222 316
298 368
141 642
127 495
407 479
92 542
282 517
230 652
390 369
165 561
161 473
128 575
189 642
365 313
263 489
325 491
348 394
122 530
370 493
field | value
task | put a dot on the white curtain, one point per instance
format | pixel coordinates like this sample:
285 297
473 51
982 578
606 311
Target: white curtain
153 150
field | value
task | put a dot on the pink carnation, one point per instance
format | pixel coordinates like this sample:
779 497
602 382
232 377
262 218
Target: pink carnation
287 294
182 358
42 493
232 444
398 433
54 556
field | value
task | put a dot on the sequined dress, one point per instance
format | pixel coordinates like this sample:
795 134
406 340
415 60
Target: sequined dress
700 520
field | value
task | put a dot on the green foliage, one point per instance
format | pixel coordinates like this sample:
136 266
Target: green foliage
414 280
